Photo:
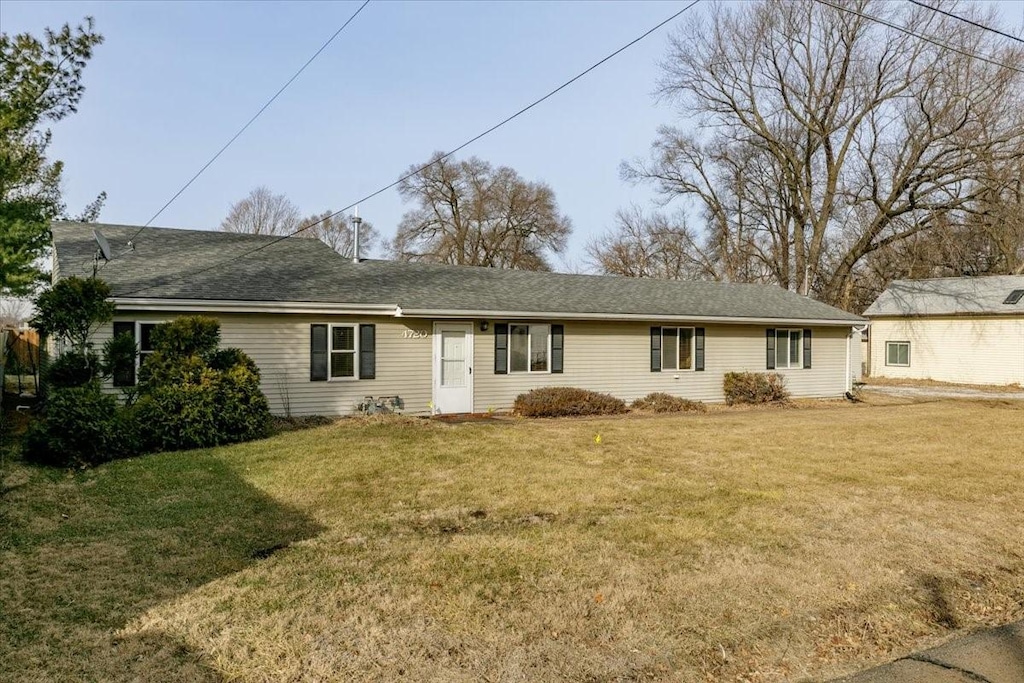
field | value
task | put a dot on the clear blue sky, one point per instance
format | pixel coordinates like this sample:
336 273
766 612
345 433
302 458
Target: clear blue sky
174 81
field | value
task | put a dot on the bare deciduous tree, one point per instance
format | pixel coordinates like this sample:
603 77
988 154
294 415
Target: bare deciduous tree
649 246
826 137
471 213
336 232
14 312
262 213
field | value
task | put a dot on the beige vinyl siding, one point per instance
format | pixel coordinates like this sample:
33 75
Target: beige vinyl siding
614 357
279 344
611 357
965 350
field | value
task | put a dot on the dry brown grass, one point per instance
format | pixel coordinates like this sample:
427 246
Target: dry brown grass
762 545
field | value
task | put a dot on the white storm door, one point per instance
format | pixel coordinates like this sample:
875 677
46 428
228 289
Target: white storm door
453 367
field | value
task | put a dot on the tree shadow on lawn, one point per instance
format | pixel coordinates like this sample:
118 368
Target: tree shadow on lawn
82 555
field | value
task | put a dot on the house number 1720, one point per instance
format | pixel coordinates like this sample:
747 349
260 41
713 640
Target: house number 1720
414 334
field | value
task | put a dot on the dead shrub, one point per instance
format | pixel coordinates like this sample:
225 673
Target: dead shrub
660 402
566 402
755 388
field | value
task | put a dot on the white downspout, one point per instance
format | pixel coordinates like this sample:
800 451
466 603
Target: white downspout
849 338
847 384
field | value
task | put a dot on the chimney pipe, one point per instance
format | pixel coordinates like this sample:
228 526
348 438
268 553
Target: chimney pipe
356 222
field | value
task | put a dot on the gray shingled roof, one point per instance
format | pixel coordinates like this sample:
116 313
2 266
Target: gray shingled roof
949 296
305 270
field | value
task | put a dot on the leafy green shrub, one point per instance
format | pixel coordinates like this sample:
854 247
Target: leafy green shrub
119 359
72 308
82 426
72 369
660 402
755 387
192 395
193 335
566 401
225 359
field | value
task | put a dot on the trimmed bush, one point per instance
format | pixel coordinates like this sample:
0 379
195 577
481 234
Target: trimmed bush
72 369
566 402
187 336
755 388
192 395
119 358
660 402
82 426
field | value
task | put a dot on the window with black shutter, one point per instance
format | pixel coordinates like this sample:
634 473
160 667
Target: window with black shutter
501 349
124 376
367 351
318 353
557 347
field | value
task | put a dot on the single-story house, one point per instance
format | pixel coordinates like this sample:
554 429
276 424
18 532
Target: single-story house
968 330
329 333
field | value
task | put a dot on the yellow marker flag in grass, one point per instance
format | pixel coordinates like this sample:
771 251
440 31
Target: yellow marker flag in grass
597 439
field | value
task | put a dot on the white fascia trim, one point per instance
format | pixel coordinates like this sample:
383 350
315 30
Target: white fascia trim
310 307
226 306
528 315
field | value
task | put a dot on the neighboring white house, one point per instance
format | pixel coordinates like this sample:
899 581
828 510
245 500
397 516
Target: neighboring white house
968 330
329 334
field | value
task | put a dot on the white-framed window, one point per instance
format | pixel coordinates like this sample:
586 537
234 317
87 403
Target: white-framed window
897 353
677 348
529 348
343 343
789 349
144 340
142 334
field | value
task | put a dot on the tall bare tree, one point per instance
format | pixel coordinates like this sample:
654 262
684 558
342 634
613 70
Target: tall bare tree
472 213
653 245
337 233
262 213
825 136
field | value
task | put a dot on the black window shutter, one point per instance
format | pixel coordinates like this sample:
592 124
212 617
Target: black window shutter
124 377
807 349
501 348
770 336
557 347
318 353
698 345
367 352
655 349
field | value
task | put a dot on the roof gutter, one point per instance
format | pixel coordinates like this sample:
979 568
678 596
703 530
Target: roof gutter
229 306
315 308
639 317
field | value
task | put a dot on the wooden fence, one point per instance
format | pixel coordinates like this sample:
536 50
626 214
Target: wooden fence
21 360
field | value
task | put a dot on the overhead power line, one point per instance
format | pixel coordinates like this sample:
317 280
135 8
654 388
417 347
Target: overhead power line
967 21
438 160
921 36
248 123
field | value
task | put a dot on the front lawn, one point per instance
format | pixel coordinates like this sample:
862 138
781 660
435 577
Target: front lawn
757 545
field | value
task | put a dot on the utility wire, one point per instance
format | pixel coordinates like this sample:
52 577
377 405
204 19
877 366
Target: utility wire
247 124
438 160
921 36
967 21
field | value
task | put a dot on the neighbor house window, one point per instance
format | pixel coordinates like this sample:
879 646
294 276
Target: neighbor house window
677 348
788 348
529 347
897 353
343 351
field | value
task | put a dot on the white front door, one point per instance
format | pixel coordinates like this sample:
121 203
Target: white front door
453 367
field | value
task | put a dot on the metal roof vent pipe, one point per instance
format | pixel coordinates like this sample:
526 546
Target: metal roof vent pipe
356 222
